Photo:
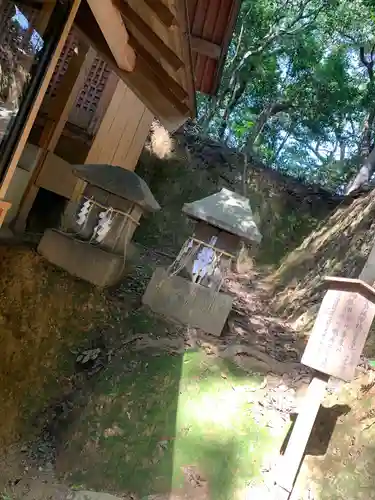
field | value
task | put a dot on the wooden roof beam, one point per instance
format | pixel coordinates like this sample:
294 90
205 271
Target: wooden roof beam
160 84
205 47
162 11
131 17
150 88
153 65
114 31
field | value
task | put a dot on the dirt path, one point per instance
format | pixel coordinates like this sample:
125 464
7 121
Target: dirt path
156 408
255 343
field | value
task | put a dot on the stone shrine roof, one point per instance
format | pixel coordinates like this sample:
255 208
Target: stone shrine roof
228 211
120 182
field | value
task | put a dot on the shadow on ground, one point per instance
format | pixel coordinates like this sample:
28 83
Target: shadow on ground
43 314
159 424
346 469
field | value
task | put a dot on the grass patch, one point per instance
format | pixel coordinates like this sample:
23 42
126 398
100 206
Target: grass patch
146 431
43 313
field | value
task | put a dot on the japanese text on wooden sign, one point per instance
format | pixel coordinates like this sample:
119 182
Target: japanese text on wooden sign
339 334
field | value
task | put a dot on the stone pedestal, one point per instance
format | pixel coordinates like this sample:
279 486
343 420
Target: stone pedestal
85 261
187 302
94 240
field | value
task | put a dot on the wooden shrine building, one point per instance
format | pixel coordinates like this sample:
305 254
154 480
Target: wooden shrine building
82 80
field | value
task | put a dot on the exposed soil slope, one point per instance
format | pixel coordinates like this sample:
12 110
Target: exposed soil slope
338 247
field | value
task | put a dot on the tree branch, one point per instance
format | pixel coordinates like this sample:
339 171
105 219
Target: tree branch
282 144
267 113
290 28
368 64
244 176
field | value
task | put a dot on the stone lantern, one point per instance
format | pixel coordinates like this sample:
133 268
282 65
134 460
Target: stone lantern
93 241
189 290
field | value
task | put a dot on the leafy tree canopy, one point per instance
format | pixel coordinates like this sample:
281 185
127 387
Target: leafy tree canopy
298 88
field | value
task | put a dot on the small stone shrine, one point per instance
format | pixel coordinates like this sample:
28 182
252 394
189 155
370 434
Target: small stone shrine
189 290
93 241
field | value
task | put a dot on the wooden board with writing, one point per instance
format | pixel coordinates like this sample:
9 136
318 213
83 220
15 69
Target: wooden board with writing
339 334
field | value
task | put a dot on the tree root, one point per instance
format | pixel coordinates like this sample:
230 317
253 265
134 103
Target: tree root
260 360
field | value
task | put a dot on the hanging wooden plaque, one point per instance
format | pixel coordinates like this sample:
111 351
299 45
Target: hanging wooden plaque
339 334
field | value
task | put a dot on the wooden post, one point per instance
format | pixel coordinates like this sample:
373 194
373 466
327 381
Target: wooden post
4 207
334 348
38 101
58 115
293 456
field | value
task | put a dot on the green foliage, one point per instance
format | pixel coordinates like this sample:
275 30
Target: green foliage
5 496
294 90
169 415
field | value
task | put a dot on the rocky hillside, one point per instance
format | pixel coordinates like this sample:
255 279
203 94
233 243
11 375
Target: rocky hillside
338 247
187 166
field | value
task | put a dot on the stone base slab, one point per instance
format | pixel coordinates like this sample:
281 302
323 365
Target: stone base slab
81 259
187 302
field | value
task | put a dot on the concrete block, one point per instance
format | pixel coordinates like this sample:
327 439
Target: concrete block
81 259
187 302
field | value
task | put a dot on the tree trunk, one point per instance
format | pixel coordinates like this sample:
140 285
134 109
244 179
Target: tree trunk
208 116
236 94
257 130
366 154
366 148
261 122
367 133
364 174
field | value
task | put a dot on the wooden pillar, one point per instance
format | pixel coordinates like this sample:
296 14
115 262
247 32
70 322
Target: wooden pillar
58 114
121 135
38 101
123 130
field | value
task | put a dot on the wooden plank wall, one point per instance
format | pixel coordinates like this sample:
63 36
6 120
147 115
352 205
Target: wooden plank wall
123 130
92 99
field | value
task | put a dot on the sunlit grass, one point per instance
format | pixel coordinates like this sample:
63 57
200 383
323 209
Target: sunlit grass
170 414
223 440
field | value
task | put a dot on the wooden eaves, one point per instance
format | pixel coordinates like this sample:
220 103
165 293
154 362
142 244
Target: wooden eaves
211 25
147 44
